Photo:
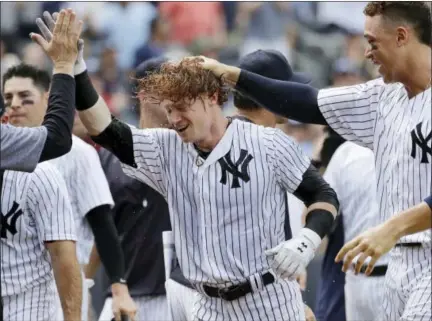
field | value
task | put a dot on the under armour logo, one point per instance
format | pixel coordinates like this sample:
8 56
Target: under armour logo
302 247
14 213
419 140
228 166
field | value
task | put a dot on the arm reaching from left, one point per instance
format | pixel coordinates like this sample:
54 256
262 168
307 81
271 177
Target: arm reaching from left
379 240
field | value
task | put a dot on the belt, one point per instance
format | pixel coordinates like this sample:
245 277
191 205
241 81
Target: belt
414 244
379 270
236 291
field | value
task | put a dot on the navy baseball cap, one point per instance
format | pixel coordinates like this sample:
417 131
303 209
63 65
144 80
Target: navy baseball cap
272 64
149 65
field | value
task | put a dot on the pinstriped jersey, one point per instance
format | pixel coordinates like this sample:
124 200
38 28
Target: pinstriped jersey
87 187
227 209
398 129
35 208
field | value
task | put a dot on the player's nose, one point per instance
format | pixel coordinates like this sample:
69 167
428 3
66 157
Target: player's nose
368 53
15 102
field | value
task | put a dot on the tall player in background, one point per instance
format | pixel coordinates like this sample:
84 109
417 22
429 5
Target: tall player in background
392 116
22 149
346 167
38 252
87 185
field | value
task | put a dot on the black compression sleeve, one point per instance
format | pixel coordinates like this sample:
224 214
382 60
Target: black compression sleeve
314 188
117 138
290 99
59 117
107 242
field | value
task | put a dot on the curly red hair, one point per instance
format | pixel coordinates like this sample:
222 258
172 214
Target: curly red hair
183 82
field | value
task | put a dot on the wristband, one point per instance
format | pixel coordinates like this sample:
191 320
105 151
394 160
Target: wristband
85 94
320 221
428 201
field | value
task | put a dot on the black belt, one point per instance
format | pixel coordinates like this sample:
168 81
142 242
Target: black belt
379 270
414 244
236 291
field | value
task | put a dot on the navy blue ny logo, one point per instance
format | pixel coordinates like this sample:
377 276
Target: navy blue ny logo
227 165
422 142
13 214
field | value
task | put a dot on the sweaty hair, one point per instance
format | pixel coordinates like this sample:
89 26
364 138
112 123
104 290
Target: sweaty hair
40 78
183 82
416 13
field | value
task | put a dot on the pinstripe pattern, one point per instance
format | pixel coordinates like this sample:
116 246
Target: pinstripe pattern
364 297
88 188
213 222
408 291
26 272
382 118
33 305
181 300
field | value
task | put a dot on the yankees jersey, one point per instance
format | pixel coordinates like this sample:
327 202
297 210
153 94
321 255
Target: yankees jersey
398 129
35 209
225 210
88 188
351 173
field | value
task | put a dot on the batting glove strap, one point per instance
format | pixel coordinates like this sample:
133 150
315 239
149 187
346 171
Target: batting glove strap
312 237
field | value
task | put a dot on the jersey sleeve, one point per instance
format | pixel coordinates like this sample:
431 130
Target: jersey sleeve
351 110
21 147
49 203
91 187
286 158
149 158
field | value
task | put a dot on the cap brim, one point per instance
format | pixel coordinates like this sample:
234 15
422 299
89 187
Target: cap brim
301 78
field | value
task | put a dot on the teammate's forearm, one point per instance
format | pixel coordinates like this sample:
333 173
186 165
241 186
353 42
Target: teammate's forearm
107 242
414 220
59 117
67 274
290 99
92 109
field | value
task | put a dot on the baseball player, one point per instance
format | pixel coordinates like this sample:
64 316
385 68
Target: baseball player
391 116
22 148
230 192
86 182
38 247
346 165
141 215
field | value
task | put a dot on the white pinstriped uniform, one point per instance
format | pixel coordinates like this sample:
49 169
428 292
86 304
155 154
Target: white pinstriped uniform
88 188
399 131
42 212
221 231
351 173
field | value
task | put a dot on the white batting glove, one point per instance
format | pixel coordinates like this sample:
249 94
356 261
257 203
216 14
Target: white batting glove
293 256
47 27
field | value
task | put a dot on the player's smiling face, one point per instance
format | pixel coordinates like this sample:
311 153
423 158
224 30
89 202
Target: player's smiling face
26 103
192 121
385 49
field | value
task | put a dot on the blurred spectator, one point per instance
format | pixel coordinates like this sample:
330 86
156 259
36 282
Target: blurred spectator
127 26
342 14
7 60
347 73
191 21
159 36
264 25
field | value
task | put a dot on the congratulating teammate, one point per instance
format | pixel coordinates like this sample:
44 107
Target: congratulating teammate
23 148
392 116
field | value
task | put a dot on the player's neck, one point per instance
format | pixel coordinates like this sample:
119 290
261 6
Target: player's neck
217 130
259 116
418 79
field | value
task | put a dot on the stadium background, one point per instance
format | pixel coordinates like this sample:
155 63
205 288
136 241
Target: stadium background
322 38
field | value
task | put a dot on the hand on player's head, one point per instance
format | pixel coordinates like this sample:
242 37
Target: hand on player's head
61 44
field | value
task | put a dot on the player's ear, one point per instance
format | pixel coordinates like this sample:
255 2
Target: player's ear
402 36
214 99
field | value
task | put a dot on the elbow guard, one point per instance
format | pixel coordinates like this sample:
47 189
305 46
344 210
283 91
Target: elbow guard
117 138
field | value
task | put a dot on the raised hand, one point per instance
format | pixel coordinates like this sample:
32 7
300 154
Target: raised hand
61 46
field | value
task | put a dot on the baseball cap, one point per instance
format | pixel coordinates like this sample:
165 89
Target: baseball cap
272 64
149 65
